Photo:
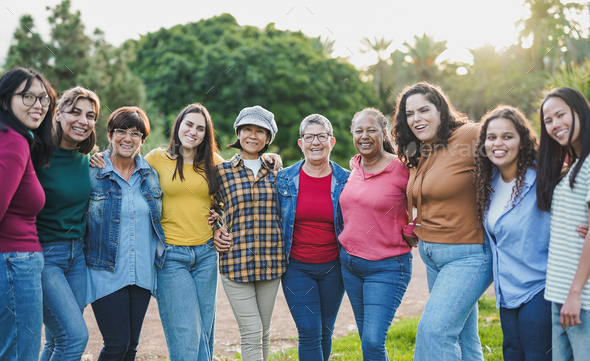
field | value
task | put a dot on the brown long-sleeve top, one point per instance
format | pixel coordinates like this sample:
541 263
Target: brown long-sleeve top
442 188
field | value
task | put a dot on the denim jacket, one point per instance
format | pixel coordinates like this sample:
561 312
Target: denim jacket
288 189
103 216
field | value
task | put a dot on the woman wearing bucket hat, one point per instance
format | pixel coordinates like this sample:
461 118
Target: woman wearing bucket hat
248 235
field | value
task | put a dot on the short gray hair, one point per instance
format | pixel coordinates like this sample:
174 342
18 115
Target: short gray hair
316 119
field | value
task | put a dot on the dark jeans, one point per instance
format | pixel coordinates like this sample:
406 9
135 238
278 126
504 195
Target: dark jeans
375 290
314 292
527 330
119 317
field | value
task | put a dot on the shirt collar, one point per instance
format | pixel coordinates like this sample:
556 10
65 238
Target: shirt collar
237 160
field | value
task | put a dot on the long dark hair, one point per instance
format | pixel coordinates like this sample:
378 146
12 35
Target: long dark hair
408 144
552 155
527 152
66 103
41 141
203 160
380 118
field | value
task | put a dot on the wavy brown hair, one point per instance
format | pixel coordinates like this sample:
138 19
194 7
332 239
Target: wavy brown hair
408 145
527 152
66 104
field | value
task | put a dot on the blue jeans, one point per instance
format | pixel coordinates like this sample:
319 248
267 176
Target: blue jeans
187 291
64 298
574 343
119 317
457 274
527 330
375 290
314 293
21 300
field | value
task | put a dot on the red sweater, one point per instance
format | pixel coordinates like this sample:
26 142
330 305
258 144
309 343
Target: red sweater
21 195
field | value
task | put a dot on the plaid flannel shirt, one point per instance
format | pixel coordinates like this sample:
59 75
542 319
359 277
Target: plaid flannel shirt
252 218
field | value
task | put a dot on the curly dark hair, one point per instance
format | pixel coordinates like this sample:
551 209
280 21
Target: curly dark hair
527 152
408 144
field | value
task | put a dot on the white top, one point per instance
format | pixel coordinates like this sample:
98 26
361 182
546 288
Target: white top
499 201
254 165
569 209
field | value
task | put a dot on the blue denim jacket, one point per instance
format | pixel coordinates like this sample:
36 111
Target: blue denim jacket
288 189
519 246
102 218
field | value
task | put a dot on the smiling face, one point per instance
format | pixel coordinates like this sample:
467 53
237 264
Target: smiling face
502 146
252 140
368 136
558 119
125 146
192 130
316 151
423 118
77 123
30 116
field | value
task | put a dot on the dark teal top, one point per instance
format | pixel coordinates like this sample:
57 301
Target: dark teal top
66 183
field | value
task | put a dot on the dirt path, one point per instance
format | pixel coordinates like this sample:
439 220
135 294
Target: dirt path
152 345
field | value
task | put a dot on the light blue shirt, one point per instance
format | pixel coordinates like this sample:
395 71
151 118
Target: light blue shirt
137 243
519 244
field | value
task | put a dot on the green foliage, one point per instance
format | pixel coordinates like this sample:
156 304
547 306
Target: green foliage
402 337
577 77
228 67
30 50
70 58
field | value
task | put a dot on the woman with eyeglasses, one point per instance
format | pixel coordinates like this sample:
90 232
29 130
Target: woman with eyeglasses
376 253
26 106
312 220
62 226
123 233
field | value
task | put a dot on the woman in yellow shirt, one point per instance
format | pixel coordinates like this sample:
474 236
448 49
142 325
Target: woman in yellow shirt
187 281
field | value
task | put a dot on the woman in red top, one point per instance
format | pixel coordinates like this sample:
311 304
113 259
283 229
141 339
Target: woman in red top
376 256
26 105
311 218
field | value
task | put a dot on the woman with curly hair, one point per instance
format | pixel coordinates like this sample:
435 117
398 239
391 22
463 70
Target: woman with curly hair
438 145
565 188
517 230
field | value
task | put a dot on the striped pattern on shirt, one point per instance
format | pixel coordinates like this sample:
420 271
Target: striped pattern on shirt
252 218
569 209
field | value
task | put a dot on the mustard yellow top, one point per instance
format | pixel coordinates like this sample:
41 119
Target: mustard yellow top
185 204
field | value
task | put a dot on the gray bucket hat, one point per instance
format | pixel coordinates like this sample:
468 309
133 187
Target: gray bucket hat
259 116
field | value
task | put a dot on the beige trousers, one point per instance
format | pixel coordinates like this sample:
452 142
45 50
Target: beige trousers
253 304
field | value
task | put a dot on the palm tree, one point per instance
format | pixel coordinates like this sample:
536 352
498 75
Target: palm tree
549 29
379 71
424 53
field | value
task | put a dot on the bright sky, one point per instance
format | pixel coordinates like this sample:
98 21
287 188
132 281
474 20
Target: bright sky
463 23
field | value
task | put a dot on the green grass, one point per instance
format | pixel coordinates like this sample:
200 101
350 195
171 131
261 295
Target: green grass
402 336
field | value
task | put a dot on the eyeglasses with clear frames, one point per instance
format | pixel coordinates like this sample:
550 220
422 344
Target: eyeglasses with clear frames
121 133
309 137
30 99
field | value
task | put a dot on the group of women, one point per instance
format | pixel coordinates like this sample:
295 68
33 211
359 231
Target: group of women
482 202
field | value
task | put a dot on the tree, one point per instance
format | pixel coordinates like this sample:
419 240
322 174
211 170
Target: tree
549 28
28 49
228 67
380 72
424 53
69 45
